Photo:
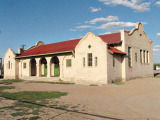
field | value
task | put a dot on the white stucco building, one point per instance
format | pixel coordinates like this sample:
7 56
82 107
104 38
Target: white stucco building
91 60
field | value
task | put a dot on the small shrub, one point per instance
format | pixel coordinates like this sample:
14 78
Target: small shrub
93 85
65 83
117 82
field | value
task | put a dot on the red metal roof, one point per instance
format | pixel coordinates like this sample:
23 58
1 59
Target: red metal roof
114 50
67 45
111 38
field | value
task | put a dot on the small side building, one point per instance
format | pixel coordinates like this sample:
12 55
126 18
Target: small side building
90 60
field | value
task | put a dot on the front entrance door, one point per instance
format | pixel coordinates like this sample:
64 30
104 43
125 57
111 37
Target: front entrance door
45 69
56 69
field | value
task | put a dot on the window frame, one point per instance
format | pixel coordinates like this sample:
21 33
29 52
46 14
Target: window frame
129 56
24 65
114 61
136 57
141 56
96 61
84 62
144 56
68 62
90 60
9 66
147 56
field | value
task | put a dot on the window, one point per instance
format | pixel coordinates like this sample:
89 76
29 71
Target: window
24 65
113 61
68 63
136 57
96 61
129 57
147 57
140 56
84 62
9 65
89 59
144 56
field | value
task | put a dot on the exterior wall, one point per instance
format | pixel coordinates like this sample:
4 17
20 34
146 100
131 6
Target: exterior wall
114 72
137 40
24 72
91 74
9 73
80 72
68 73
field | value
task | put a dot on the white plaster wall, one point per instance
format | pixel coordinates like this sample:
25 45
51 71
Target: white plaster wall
69 72
9 73
137 42
114 73
91 74
24 72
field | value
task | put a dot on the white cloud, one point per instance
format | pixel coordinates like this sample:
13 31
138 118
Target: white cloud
107 19
158 34
137 5
157 3
156 54
95 9
111 25
156 48
110 32
105 33
84 26
72 30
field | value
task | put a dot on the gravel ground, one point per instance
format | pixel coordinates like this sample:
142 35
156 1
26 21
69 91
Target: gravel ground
138 99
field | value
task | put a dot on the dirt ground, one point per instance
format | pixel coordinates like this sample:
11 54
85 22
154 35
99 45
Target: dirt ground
137 99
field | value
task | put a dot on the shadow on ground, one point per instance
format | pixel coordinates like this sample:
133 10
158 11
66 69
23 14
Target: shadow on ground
156 74
66 110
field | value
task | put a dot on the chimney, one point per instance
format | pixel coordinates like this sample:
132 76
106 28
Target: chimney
20 50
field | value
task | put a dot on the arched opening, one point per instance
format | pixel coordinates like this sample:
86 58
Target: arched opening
55 66
43 67
33 67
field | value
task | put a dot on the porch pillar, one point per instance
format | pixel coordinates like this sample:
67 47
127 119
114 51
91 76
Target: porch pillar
61 58
48 66
38 66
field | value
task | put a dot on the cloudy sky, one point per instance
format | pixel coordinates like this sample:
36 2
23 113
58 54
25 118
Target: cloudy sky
29 21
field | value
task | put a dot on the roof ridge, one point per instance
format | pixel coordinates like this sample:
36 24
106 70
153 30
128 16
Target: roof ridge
79 38
68 45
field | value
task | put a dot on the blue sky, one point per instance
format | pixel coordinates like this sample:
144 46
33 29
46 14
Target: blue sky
50 21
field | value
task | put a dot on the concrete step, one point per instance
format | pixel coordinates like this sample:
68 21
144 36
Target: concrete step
53 79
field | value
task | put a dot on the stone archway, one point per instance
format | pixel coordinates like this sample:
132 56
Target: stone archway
55 66
33 67
43 67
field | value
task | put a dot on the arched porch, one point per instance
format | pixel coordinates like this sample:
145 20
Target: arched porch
33 70
43 67
54 63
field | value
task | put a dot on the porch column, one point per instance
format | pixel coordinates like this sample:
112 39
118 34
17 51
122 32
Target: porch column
61 58
28 66
38 66
48 66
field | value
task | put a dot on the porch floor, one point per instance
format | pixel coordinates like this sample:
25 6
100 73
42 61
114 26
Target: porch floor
43 78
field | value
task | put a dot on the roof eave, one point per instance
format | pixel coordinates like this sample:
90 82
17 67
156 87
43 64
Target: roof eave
45 54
